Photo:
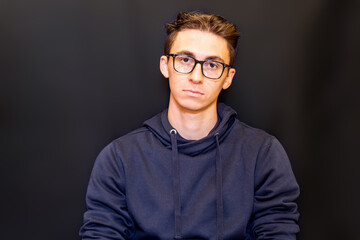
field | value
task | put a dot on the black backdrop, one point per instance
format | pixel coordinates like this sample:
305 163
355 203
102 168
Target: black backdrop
77 74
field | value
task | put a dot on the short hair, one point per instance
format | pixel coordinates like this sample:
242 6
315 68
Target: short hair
205 22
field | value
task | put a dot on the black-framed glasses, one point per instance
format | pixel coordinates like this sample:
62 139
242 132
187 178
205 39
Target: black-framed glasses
185 64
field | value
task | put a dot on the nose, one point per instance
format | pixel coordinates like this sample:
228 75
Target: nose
196 75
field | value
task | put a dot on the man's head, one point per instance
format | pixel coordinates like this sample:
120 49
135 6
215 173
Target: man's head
198 38
204 22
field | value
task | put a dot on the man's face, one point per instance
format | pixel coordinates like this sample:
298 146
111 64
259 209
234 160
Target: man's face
193 91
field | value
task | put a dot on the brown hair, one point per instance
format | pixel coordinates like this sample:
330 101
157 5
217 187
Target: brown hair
204 22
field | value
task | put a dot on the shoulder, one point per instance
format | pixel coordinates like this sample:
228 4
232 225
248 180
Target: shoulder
247 133
131 138
270 153
139 132
253 144
124 147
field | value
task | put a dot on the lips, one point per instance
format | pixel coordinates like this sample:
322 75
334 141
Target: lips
193 92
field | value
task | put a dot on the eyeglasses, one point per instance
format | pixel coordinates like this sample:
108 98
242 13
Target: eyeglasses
209 68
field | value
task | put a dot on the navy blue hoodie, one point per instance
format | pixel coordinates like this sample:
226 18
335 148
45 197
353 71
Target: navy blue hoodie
236 183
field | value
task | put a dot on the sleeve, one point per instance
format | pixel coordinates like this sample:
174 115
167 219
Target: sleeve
275 212
106 216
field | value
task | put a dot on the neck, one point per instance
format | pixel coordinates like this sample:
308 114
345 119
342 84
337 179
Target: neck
192 125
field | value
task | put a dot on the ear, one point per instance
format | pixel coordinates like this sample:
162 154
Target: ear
229 78
164 66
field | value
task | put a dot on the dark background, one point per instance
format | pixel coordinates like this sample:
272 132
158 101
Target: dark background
74 75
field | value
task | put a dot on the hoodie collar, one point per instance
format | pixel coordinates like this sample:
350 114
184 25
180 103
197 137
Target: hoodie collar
160 126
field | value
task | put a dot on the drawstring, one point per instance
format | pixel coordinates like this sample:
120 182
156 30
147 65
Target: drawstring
176 184
219 198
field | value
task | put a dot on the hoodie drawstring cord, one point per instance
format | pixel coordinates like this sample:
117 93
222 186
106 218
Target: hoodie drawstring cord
219 194
176 184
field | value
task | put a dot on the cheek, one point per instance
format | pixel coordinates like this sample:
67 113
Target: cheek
175 82
177 78
214 87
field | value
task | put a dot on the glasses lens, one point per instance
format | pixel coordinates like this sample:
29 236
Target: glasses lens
212 69
183 64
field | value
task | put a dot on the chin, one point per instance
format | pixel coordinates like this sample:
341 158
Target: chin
194 106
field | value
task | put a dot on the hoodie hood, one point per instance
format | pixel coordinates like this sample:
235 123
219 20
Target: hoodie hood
160 126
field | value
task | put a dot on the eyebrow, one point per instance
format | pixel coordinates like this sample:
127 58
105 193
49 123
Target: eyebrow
214 58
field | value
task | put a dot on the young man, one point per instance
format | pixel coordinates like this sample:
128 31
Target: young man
193 171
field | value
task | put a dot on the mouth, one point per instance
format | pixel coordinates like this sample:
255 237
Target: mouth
193 92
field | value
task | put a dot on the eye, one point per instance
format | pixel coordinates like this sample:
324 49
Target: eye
184 59
212 65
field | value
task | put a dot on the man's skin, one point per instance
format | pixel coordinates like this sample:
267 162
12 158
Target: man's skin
193 97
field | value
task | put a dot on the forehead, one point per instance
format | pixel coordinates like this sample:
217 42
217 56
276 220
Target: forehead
202 44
